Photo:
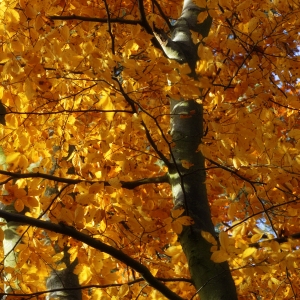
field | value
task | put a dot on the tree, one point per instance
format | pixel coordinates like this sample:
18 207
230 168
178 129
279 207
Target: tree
150 149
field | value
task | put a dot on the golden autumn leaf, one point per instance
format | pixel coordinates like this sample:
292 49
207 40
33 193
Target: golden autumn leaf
209 237
200 3
249 252
185 220
186 164
115 182
177 227
19 205
219 256
177 212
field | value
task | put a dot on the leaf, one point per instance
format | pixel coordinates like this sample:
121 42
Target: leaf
118 157
256 237
115 182
177 227
219 256
11 158
12 16
19 205
173 250
249 252
200 3
224 240
177 212
202 16
57 257
208 237
185 220
96 188
186 164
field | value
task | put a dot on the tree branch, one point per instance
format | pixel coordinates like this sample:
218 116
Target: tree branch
99 286
109 30
162 14
144 21
98 20
96 244
148 135
125 184
280 240
234 172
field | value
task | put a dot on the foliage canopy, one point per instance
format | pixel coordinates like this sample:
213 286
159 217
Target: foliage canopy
86 141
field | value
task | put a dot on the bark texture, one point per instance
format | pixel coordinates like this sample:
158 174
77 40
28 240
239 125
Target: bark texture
63 280
212 280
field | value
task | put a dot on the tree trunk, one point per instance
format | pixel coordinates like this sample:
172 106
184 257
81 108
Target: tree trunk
64 279
212 280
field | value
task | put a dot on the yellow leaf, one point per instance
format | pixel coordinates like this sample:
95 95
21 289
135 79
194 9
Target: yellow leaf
85 275
202 16
58 256
219 256
224 240
256 237
32 202
115 182
200 3
84 199
185 220
177 212
19 193
19 205
209 237
243 5
286 246
186 164
275 246
23 162
73 253
293 212
118 157
232 210
61 266
123 291
177 227
173 250
12 121
248 252
12 16
236 162
96 188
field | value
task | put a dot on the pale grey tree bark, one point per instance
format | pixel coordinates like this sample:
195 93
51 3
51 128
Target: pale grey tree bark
212 280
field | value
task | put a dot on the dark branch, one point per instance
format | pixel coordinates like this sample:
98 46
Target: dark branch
162 14
148 135
109 28
98 286
280 240
125 184
234 172
98 20
96 244
144 21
